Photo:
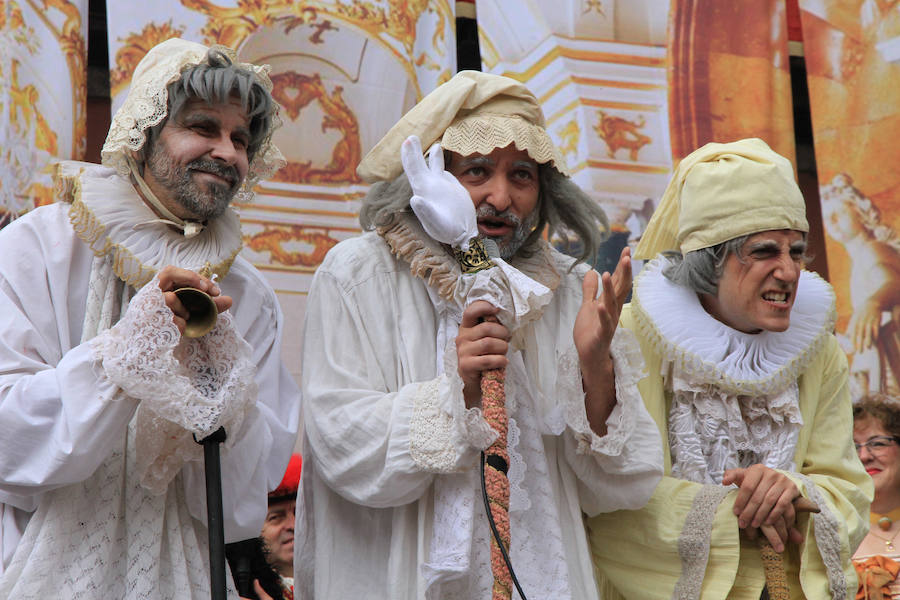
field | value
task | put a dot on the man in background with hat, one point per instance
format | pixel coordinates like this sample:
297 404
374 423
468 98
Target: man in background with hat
101 396
390 503
749 388
263 567
278 528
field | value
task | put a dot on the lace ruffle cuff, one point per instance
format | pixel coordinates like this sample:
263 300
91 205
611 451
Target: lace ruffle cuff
442 431
519 298
186 387
628 363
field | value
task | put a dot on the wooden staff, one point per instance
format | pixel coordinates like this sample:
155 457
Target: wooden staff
493 406
773 563
496 481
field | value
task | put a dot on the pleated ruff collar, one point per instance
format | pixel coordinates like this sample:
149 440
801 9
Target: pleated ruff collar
708 351
109 216
430 261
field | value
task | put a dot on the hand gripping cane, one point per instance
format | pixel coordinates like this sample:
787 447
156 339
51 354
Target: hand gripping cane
495 462
773 563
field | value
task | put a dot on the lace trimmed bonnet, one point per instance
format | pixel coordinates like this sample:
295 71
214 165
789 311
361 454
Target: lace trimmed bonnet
472 113
147 105
723 191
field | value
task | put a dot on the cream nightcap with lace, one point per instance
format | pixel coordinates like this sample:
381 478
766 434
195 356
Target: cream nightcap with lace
147 105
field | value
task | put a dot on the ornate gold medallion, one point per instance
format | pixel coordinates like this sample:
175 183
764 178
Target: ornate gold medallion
475 258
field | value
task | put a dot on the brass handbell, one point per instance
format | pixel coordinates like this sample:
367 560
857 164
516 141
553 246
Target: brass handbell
202 311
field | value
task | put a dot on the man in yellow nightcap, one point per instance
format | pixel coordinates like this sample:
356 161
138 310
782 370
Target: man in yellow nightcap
390 505
748 386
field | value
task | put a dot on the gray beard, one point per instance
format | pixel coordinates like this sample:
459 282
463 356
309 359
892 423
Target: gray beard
509 245
207 203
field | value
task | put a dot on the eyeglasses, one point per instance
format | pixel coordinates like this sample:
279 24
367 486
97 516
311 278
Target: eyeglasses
877 444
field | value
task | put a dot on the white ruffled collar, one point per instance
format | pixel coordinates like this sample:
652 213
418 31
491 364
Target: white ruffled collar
672 318
111 218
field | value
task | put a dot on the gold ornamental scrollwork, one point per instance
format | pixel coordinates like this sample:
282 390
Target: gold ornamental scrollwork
338 116
392 21
24 102
135 47
272 239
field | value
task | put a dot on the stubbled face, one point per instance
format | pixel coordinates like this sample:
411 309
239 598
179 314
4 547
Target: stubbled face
757 289
200 160
278 535
880 463
504 186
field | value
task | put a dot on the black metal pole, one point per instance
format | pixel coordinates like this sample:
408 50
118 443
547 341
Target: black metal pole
214 518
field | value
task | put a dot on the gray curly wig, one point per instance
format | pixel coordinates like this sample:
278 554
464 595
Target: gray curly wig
215 82
564 209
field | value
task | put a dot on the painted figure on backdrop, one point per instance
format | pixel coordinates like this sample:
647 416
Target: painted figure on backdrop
873 334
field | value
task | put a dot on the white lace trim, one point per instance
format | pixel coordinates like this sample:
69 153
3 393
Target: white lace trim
537 547
109 216
826 528
146 105
186 386
450 552
431 443
628 363
106 537
711 431
142 545
708 351
518 298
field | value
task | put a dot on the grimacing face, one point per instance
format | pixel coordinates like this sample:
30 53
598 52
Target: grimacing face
505 189
200 159
757 288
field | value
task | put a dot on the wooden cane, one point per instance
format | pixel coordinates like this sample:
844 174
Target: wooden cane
496 461
773 562
493 406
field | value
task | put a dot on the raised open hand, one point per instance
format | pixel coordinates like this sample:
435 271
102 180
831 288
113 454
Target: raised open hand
598 317
441 203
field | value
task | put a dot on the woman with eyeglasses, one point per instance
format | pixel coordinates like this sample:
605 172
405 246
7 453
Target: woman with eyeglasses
876 431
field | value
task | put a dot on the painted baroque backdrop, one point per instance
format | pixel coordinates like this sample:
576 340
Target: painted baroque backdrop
629 87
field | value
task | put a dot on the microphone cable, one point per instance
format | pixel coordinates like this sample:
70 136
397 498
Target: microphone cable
490 516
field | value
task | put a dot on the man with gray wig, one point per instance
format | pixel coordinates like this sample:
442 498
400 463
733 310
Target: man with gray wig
749 386
103 388
397 338
564 212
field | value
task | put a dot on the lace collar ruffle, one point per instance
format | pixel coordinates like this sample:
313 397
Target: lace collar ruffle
109 216
430 261
709 351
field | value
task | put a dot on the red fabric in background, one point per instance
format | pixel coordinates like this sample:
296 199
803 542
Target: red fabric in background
795 33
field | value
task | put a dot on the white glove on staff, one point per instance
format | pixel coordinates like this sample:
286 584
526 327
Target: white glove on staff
442 204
